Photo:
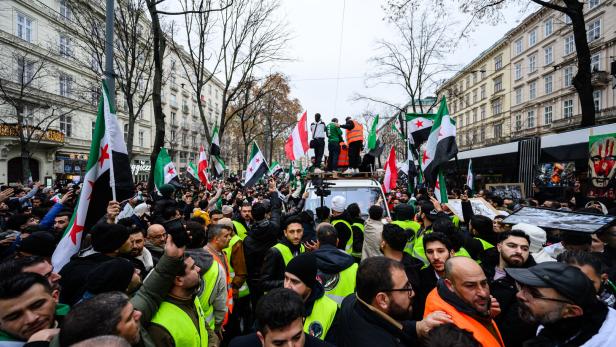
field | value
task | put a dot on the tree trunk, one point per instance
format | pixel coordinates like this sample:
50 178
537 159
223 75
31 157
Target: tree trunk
131 128
583 79
25 163
158 43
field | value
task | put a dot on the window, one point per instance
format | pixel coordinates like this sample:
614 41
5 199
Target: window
184 139
172 117
497 107
141 138
24 27
596 98
518 71
568 108
482 91
548 55
498 131
548 83
65 10
595 62
25 71
474 96
475 115
483 72
468 82
125 132
531 119
93 127
172 135
474 77
482 134
518 46
498 84
532 38
594 31
532 90
482 112
532 63
498 62
174 101
547 115
65 46
65 85
569 44
518 122
548 27
518 96
593 3
461 121
66 125
568 76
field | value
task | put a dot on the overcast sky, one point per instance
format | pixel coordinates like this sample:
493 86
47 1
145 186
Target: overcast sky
317 46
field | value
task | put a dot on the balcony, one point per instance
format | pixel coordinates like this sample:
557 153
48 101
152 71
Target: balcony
600 79
49 136
566 123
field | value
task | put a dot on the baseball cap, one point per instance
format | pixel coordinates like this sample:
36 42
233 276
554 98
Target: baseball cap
567 280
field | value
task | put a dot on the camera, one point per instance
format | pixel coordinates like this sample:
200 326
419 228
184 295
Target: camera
321 186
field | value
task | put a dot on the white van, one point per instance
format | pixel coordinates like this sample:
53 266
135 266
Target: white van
363 191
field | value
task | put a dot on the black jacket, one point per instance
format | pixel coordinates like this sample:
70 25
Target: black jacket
272 272
344 233
358 326
75 275
358 235
330 262
261 237
427 282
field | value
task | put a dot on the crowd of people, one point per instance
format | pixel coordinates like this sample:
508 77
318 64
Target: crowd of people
249 266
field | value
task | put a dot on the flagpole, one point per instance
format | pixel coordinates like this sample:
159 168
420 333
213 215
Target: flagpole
109 77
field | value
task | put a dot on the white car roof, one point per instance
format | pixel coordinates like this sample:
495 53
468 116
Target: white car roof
350 183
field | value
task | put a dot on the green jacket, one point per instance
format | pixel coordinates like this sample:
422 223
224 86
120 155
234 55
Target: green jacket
150 295
334 134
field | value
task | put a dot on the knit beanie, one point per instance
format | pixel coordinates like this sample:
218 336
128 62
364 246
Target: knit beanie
41 243
166 190
112 275
338 203
304 266
107 238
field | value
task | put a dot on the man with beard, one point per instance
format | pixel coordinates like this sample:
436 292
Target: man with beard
438 250
242 224
513 252
563 300
378 314
277 257
465 295
155 241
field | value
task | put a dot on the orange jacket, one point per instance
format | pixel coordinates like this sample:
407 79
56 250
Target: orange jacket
434 302
343 157
355 134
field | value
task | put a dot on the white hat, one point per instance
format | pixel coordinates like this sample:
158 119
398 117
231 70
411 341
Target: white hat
536 234
338 203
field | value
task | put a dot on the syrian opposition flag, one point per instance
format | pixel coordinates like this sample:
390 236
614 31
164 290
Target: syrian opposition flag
219 165
256 167
297 143
275 169
215 146
201 170
441 145
470 178
107 177
440 190
418 126
191 170
164 170
372 134
391 172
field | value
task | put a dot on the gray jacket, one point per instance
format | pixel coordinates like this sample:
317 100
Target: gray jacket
372 239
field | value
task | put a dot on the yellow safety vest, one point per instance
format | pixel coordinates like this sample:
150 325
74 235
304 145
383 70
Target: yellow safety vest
321 318
240 230
344 284
361 227
180 326
210 277
244 291
406 225
462 252
418 248
349 245
286 252
486 245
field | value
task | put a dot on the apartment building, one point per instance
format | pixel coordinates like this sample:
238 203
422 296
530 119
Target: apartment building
35 46
521 87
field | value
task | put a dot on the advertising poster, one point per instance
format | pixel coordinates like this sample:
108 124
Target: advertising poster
601 166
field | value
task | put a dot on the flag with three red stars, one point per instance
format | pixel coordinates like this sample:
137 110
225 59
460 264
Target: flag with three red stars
257 167
108 170
165 171
441 145
418 127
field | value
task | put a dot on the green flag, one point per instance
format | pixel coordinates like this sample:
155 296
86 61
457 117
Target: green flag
372 135
164 170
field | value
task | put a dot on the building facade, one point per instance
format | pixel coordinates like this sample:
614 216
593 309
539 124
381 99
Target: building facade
59 108
521 87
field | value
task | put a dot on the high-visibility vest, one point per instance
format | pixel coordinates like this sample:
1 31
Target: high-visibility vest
355 134
486 245
434 302
321 318
343 156
462 252
357 254
344 284
240 230
223 262
285 251
243 291
349 245
180 326
418 247
209 277
406 225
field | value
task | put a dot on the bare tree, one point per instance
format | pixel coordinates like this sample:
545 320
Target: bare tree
133 54
24 76
490 10
413 62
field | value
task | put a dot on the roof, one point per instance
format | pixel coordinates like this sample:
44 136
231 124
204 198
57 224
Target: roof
349 183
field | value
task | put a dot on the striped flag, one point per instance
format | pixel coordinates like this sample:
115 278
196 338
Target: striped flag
418 126
297 143
165 171
215 146
256 167
219 165
275 169
391 172
470 177
107 177
191 170
440 190
372 134
201 170
441 145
